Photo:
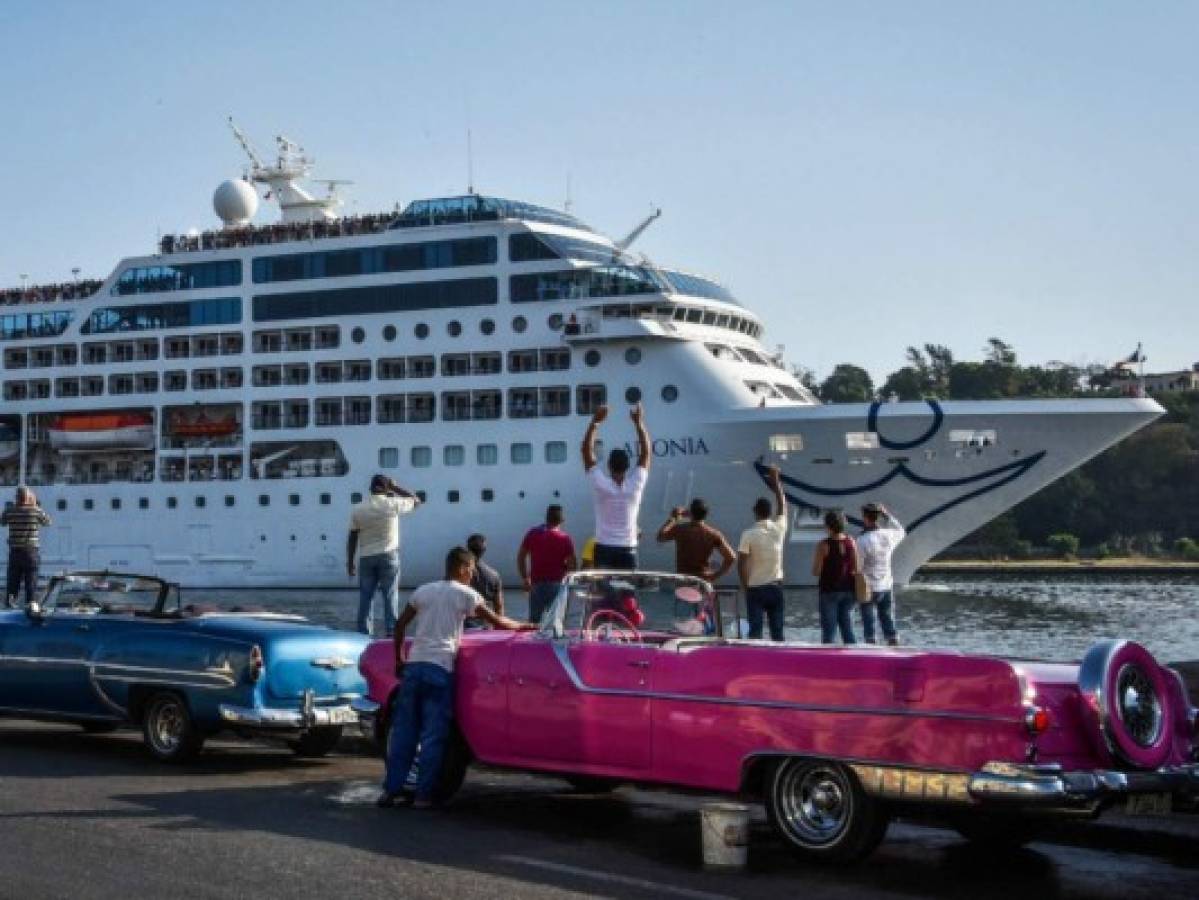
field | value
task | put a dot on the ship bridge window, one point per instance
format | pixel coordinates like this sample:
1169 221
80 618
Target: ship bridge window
589 398
861 440
148 316
411 257
184 277
965 437
785 444
535 247
572 284
486 363
376 299
20 326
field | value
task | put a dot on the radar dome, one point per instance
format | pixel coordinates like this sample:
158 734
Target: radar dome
235 202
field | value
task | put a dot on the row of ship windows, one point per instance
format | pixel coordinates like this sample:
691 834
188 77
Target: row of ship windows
88 504
456 406
962 438
520 453
141 350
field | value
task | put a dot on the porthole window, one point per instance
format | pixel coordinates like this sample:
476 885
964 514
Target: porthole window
172 502
229 500
421 331
452 496
116 502
422 497
454 328
670 393
487 326
89 504
632 356
326 499
454 455
519 324
200 501
488 495
61 505
633 395
592 358
389 457
293 499
555 322
358 335
143 502
355 497
264 500
487 454
389 333
555 452
522 454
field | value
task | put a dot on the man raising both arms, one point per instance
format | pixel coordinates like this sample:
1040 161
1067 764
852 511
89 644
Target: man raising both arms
616 493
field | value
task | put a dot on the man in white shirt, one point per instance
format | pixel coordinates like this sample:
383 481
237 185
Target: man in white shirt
760 562
425 705
876 544
616 494
375 538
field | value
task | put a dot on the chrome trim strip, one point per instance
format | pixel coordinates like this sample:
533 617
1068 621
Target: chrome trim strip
562 652
54 714
310 717
116 671
1009 783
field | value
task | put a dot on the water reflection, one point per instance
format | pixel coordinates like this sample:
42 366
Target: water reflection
1047 619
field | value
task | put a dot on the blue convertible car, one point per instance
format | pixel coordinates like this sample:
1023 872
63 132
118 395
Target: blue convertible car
104 650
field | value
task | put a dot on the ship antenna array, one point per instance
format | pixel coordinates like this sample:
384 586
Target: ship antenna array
245 144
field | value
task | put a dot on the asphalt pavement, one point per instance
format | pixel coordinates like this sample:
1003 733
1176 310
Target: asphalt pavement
85 816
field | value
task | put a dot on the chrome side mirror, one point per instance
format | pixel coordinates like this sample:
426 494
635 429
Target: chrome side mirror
35 612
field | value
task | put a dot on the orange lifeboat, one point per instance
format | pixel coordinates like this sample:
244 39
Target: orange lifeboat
102 431
202 427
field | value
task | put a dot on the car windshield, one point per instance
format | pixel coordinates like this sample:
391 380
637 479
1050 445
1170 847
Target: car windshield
635 604
106 594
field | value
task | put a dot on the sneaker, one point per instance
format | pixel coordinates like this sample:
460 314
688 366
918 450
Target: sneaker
893 642
387 800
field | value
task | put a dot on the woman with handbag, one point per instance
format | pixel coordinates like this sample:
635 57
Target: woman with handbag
836 566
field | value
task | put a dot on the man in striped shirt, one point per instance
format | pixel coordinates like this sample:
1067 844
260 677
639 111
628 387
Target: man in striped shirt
23 520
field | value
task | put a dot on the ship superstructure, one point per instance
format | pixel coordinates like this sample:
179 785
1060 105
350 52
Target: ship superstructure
211 411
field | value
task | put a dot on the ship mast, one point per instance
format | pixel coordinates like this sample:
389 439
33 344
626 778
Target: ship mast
295 203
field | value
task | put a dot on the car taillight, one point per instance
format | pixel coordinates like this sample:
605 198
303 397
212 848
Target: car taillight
1036 719
257 664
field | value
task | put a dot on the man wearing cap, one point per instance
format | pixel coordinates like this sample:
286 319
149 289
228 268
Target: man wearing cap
881 535
375 537
616 493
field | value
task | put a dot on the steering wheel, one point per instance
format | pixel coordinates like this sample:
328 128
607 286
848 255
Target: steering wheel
609 625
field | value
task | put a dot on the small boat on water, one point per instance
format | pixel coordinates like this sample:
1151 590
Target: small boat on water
102 431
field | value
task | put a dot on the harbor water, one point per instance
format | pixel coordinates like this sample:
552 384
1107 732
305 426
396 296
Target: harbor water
1045 618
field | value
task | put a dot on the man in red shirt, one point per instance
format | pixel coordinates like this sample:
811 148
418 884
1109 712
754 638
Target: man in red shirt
546 555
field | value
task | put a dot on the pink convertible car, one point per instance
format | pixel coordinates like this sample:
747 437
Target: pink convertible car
632 678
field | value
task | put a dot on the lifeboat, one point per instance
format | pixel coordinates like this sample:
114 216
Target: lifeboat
10 443
203 427
102 431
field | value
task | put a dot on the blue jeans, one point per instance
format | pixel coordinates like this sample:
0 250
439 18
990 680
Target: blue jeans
422 715
880 602
835 610
541 597
380 571
623 559
768 599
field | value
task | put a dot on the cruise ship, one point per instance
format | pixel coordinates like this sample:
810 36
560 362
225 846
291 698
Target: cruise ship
210 412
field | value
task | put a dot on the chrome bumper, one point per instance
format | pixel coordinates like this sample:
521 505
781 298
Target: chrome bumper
309 715
1051 786
366 710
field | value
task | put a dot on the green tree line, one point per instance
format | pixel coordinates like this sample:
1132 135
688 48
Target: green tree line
1139 497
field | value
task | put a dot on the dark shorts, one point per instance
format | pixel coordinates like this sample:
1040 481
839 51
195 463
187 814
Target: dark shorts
23 564
622 559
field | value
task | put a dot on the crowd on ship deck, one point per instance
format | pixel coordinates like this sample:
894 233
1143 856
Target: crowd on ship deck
49 293
277 233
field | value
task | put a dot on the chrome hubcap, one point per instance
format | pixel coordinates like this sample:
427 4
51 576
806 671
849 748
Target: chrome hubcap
167 726
815 803
1138 706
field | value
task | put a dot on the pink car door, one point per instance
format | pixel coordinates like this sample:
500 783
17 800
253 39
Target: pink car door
582 702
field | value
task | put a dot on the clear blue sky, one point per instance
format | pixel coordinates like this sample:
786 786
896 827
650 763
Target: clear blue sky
863 175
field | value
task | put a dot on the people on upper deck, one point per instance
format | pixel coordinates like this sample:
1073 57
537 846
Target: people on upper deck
48 293
695 541
616 493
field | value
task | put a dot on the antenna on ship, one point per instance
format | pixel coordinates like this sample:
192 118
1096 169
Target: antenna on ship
290 166
569 201
470 164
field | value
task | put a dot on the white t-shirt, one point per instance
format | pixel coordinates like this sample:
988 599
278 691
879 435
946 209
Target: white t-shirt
763 542
617 505
441 607
874 550
376 519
